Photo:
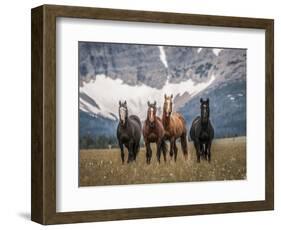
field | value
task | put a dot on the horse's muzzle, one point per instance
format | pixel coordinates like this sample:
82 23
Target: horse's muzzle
151 124
168 114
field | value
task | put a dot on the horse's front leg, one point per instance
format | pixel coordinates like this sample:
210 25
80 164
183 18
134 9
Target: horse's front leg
203 148
208 150
198 150
158 154
122 151
175 150
131 152
148 152
164 156
164 149
171 147
136 149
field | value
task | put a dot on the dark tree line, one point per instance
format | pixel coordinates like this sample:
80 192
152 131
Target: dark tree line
98 142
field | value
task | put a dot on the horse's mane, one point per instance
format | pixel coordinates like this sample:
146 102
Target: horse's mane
136 118
173 116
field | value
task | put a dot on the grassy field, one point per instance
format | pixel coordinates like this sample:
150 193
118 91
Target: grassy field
104 167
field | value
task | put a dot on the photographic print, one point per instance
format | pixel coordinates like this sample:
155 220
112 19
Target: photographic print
152 105
161 113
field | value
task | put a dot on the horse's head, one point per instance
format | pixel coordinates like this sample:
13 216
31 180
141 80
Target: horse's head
123 112
205 110
151 113
168 105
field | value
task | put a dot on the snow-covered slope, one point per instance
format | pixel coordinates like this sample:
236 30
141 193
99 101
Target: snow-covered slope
106 92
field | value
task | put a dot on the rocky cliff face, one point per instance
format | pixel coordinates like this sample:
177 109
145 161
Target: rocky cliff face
231 65
190 63
143 64
134 64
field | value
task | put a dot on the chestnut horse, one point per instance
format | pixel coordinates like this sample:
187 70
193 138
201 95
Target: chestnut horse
175 127
153 132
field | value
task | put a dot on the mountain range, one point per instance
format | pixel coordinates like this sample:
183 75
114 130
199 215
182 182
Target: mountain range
109 72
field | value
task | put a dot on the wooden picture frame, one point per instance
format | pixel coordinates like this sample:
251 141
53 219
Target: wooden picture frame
43 189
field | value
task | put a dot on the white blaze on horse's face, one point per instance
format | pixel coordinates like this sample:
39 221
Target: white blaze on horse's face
168 109
151 114
122 114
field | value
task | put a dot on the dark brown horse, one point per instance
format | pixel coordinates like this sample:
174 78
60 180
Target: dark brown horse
153 132
128 133
175 127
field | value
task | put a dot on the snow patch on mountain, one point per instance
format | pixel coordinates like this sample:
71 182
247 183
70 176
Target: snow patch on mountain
107 92
94 111
217 51
163 56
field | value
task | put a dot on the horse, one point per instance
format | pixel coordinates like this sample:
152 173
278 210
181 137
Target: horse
175 127
128 133
202 132
153 132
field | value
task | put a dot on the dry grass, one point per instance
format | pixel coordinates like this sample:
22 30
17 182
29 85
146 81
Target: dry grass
103 167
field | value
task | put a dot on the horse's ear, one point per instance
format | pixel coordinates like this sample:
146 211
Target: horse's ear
207 100
201 100
148 103
125 102
154 103
119 103
165 96
171 96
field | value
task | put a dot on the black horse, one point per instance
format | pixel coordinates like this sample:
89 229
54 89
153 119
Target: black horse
128 133
202 132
